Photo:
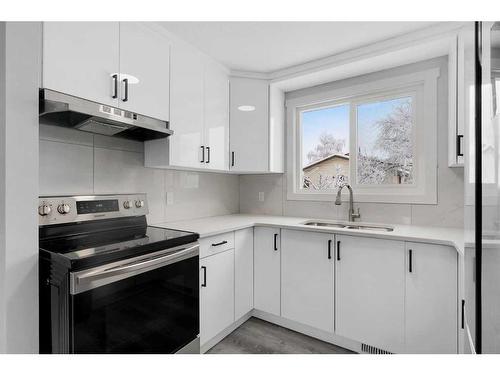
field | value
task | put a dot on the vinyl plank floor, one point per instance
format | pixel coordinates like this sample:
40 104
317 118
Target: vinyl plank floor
256 336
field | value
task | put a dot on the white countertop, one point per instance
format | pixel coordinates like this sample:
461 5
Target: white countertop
210 226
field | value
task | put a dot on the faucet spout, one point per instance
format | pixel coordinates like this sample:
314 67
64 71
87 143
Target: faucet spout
338 201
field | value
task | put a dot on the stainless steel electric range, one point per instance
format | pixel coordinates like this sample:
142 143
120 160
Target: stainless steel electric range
109 283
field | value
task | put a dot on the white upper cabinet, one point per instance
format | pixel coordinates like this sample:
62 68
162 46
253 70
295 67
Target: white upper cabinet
461 93
216 119
186 103
81 58
307 278
124 65
431 299
267 275
249 122
370 291
199 95
145 64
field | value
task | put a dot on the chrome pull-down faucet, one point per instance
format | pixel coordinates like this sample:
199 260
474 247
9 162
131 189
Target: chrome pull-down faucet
338 201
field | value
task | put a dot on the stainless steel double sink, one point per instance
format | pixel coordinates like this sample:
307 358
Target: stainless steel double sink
354 226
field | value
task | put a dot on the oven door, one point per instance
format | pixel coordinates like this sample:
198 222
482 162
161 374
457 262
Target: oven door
148 304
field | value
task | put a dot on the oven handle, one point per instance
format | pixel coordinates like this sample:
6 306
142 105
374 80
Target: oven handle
93 279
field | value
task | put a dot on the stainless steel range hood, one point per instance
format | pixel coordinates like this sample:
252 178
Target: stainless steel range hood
69 111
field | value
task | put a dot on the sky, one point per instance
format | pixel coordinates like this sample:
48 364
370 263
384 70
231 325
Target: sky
335 120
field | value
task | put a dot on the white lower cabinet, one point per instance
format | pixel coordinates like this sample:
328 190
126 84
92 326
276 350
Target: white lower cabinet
307 278
243 272
370 291
216 294
431 299
267 288
397 296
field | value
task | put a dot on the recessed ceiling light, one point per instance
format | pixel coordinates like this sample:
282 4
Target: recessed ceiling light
246 108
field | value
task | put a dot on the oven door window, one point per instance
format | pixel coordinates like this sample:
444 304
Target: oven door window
153 312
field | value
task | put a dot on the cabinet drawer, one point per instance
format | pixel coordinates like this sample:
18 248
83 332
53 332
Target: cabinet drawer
216 244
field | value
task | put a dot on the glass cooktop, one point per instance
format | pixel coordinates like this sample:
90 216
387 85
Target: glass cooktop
93 244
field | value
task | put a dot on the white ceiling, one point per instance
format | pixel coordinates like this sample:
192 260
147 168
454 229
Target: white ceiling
269 46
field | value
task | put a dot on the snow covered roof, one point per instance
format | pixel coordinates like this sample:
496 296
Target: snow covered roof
319 161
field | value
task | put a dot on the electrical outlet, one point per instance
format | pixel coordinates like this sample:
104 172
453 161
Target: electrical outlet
170 198
261 196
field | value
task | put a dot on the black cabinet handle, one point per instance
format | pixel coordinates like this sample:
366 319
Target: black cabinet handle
232 159
275 241
410 260
115 86
459 145
219 243
125 98
338 250
202 154
204 276
208 155
329 249
463 314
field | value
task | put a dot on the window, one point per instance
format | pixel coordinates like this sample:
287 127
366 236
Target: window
376 137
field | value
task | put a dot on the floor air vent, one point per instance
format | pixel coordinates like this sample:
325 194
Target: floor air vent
373 350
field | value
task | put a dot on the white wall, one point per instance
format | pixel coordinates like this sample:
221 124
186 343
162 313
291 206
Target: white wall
75 162
19 75
448 212
2 186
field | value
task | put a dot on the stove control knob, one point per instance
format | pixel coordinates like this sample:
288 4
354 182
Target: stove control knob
63 209
127 204
139 204
44 210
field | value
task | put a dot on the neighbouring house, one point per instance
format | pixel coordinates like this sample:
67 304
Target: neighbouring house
321 173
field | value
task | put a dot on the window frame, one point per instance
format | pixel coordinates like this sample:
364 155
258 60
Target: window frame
422 88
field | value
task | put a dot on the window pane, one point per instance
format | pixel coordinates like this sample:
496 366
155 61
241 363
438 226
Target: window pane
385 146
325 147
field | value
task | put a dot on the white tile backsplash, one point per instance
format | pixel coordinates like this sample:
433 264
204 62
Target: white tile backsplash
65 168
200 194
270 185
118 143
75 162
60 134
312 209
381 213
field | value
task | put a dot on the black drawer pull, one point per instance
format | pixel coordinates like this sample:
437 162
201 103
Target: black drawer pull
410 260
463 314
275 241
125 81
202 154
208 154
329 249
459 145
219 243
232 159
338 250
115 86
204 285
